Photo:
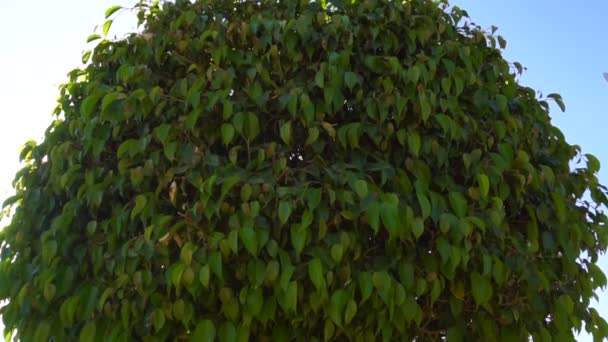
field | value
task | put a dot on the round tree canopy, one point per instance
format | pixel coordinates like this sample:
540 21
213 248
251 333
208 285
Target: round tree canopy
302 171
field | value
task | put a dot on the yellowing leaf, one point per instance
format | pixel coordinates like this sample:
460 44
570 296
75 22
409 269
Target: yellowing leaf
329 129
140 204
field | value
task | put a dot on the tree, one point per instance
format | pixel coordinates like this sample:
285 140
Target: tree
296 170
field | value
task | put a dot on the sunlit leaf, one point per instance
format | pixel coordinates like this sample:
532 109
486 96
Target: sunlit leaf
112 10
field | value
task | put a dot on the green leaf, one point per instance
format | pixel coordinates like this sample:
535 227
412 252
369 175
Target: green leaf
444 249
502 42
560 206
125 315
227 332
162 133
204 275
112 10
228 184
169 150
247 124
255 301
93 37
272 272
88 299
313 135
360 188
106 27
313 198
87 334
66 313
484 185
249 238
373 216
227 133
446 85
49 292
481 288
158 319
43 330
215 262
501 102
140 204
86 56
565 304
292 105
315 272
319 79
104 296
336 252
455 334
351 79
336 307
285 131
328 330
350 312
308 108
417 227
414 143
298 238
109 99
593 164
291 296
175 273
458 203
49 250
125 146
389 213
365 285
204 332
411 308
238 120
381 280
414 74
284 211
558 99
425 205
425 108
227 110
253 127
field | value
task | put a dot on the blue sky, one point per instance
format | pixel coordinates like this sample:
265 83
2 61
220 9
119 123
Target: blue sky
564 45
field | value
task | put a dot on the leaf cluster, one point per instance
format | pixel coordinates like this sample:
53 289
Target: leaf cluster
295 170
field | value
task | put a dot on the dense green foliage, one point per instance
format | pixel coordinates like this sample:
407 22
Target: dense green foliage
292 170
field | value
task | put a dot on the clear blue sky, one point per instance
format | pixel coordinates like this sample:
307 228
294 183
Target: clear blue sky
564 45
